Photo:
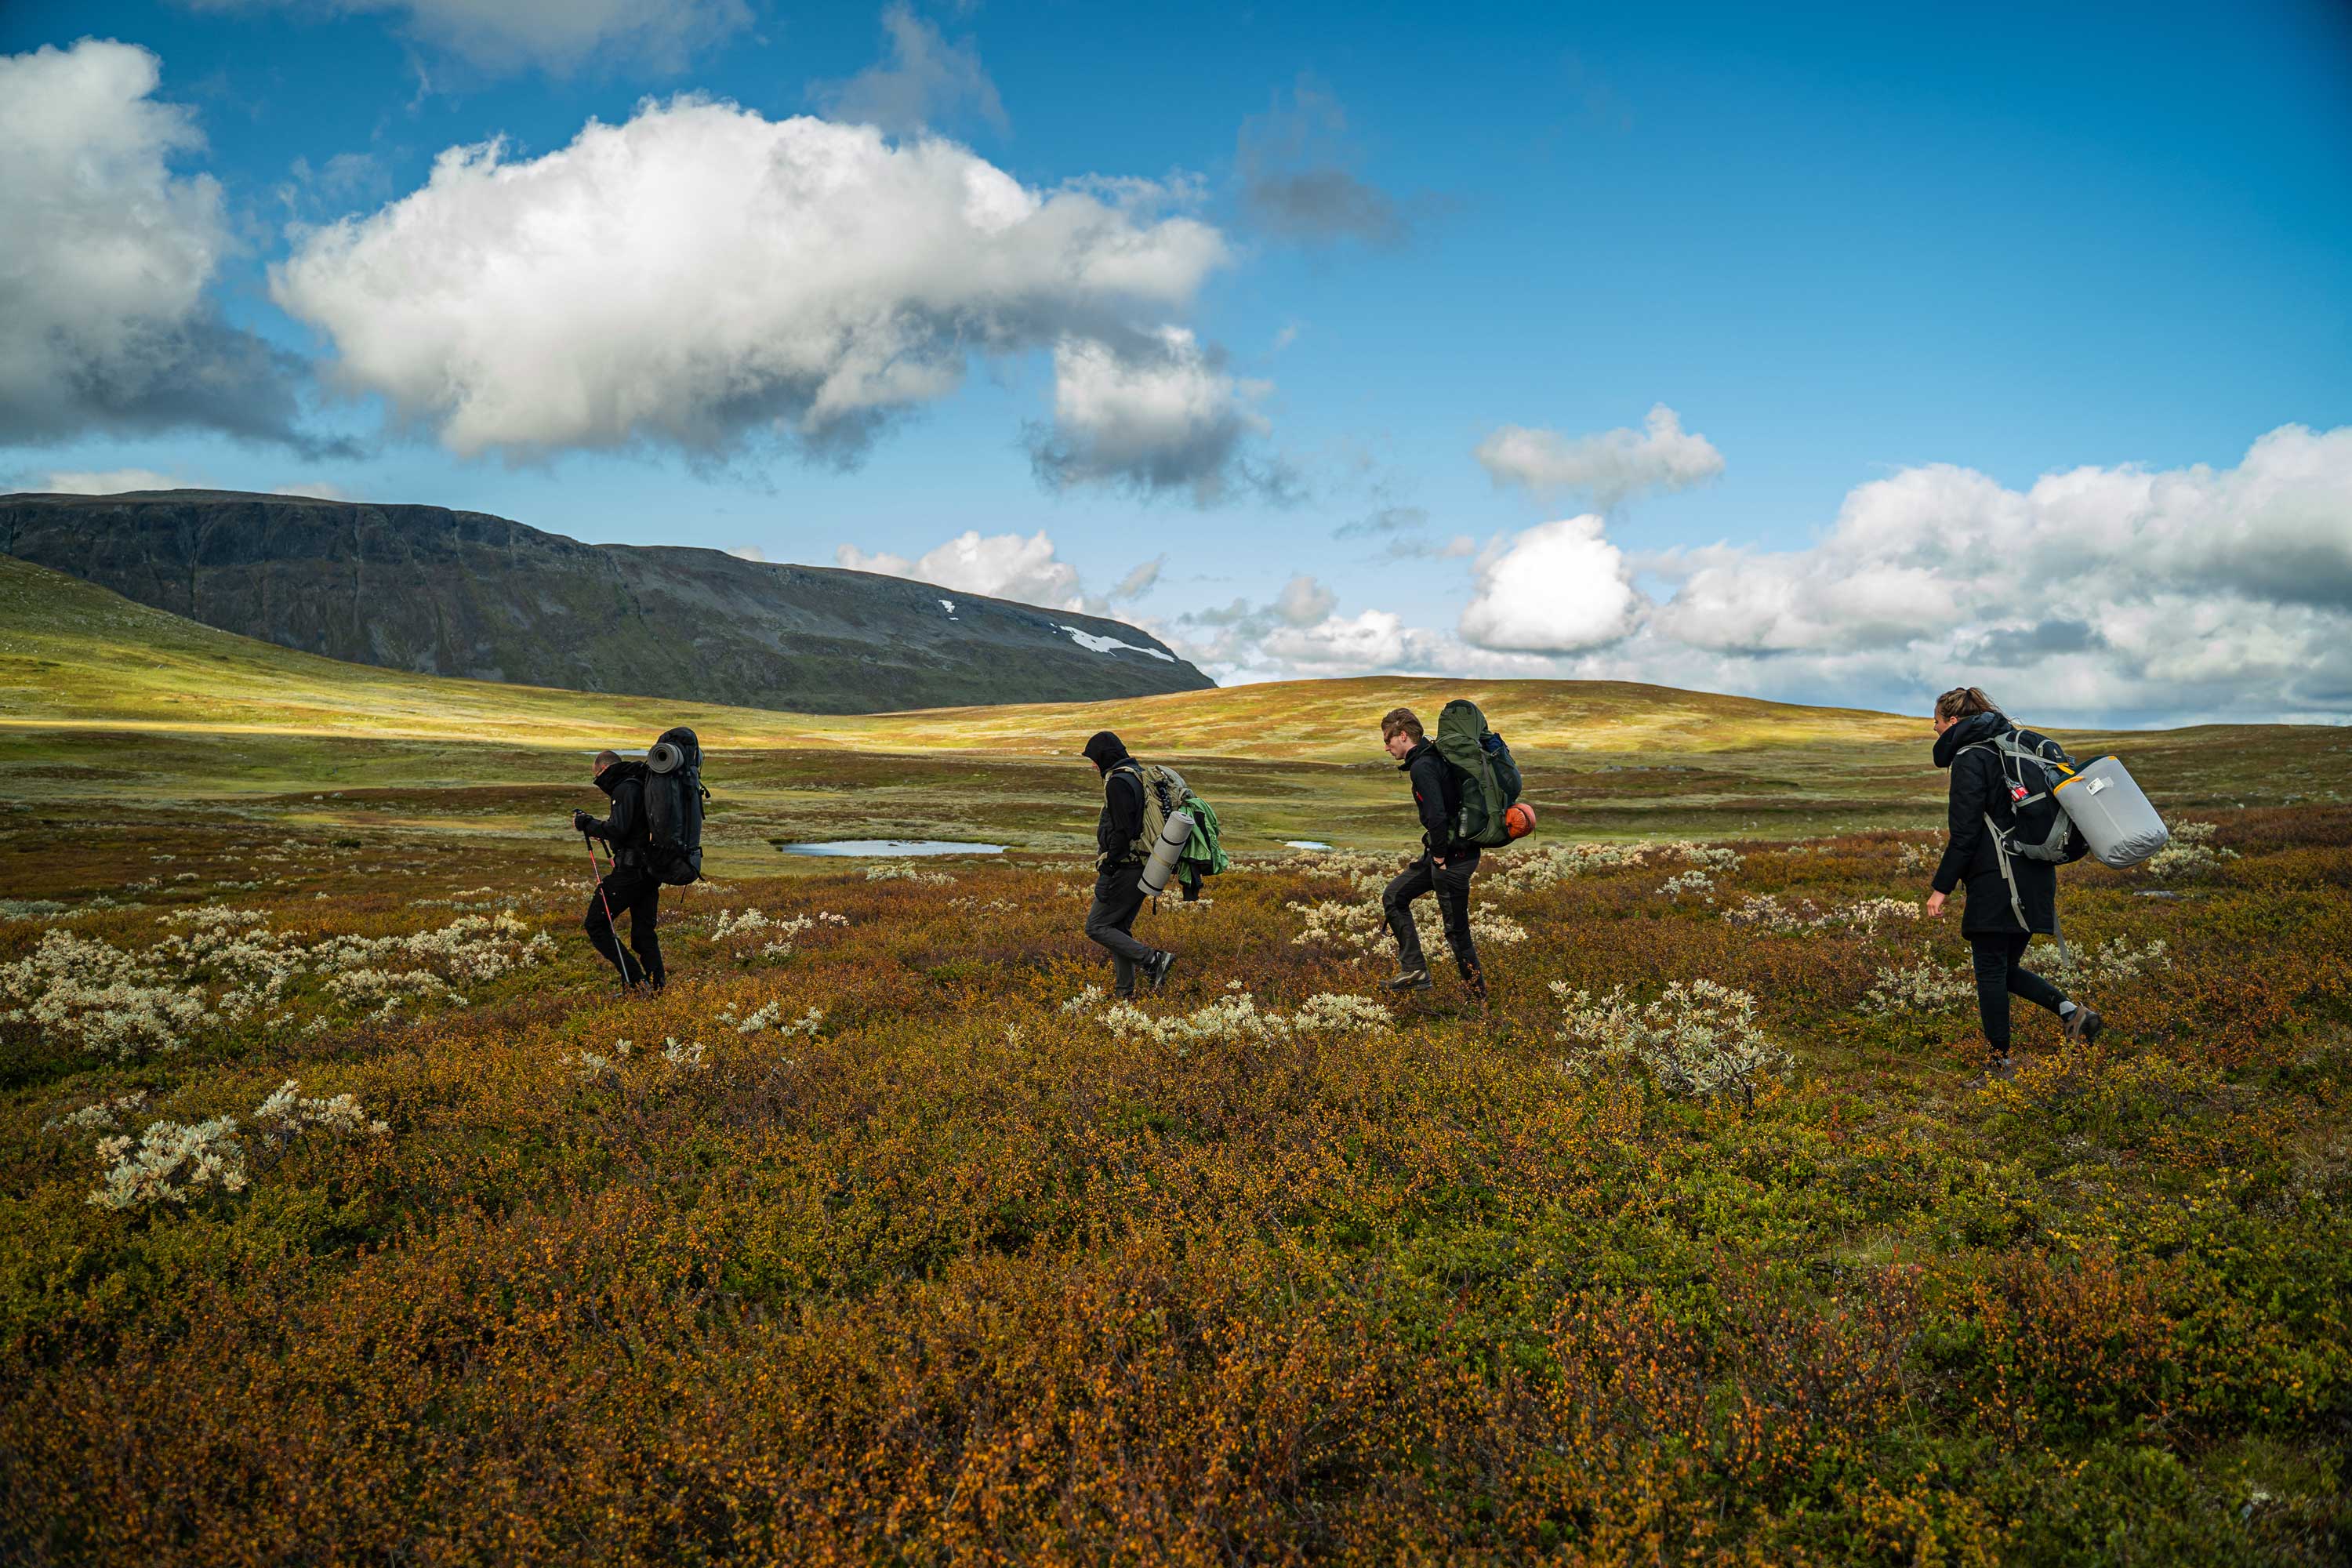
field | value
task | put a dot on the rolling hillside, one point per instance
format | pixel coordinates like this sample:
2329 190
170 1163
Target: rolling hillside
430 591
100 695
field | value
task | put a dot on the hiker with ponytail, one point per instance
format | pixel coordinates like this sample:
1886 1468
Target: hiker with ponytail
2010 898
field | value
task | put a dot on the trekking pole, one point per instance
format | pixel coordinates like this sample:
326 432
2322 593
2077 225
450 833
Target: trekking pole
596 866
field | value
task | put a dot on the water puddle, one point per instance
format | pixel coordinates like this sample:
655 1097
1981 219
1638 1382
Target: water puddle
1306 844
891 848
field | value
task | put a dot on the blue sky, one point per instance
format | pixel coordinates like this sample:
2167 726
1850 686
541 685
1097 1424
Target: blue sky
1886 271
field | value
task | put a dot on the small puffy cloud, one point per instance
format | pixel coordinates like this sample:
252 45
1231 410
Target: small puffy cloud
1139 581
753 552
1304 602
1559 587
107 259
1153 415
701 276
1609 465
926 80
998 566
108 482
1296 183
556 36
313 490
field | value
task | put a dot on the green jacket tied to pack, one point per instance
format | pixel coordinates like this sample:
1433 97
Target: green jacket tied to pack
1165 794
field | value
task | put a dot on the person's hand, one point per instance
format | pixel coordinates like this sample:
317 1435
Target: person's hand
579 822
1935 906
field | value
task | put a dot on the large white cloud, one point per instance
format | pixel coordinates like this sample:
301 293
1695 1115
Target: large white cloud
1558 587
1609 465
701 273
2183 592
106 258
2093 597
556 35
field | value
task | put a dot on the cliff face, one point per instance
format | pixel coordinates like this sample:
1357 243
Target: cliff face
465 593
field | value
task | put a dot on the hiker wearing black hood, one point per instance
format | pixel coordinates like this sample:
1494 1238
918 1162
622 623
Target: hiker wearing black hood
629 884
1119 854
1966 720
1444 867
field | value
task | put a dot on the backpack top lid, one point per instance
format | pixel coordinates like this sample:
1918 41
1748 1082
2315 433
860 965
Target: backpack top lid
1460 722
676 749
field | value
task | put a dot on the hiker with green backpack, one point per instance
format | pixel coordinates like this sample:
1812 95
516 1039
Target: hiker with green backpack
1124 837
1465 787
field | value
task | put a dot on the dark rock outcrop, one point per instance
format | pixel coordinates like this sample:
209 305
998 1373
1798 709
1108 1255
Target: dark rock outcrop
462 593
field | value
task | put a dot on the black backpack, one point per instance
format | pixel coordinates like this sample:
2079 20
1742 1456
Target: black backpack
674 797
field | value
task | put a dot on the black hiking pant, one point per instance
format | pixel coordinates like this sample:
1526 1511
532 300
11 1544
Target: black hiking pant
1110 923
2000 976
637 892
1451 883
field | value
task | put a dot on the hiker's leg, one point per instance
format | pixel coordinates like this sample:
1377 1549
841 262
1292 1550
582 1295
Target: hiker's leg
1396 904
1454 906
2023 982
645 918
1991 957
1110 923
600 928
1191 885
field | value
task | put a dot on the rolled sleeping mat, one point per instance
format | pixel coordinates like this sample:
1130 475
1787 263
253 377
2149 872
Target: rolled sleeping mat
2113 815
1174 837
663 758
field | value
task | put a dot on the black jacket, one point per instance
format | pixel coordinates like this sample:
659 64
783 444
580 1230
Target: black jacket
1121 823
1980 788
1435 794
625 831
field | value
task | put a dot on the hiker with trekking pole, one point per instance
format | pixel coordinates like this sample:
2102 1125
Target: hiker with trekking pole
2020 808
655 837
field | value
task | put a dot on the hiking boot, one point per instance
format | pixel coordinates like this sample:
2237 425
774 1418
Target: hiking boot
2083 1025
1156 971
1414 979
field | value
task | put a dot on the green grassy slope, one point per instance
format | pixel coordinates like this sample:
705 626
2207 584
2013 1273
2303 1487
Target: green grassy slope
101 698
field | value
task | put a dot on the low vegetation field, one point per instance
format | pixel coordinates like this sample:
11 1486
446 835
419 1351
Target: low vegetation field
349 1214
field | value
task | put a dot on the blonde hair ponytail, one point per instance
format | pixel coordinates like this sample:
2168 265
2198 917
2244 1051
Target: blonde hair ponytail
1964 702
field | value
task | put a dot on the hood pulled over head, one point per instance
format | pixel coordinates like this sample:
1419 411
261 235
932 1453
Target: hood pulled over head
1106 751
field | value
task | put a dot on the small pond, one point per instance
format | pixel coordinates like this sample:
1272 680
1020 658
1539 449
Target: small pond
1306 844
891 848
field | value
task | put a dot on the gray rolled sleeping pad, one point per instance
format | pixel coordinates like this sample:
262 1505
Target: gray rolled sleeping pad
2113 815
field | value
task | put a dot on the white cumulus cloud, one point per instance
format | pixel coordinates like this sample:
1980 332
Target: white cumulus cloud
106 260
1558 587
1609 465
701 274
2117 591
1151 414
996 565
